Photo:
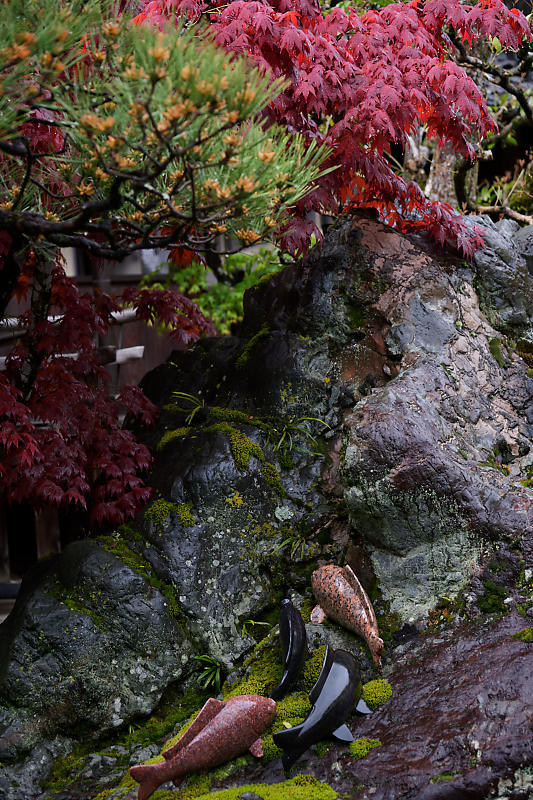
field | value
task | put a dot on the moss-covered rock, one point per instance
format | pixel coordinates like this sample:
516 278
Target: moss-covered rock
312 667
302 787
525 635
491 601
376 692
359 748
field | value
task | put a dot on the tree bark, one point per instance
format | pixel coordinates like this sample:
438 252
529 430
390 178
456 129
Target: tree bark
440 185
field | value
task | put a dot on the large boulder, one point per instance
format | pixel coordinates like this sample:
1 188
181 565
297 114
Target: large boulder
434 458
366 412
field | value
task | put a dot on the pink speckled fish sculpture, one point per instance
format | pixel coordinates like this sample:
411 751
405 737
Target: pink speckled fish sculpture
341 597
221 731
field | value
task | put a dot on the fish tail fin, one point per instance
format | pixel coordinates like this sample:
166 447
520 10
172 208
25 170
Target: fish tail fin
144 775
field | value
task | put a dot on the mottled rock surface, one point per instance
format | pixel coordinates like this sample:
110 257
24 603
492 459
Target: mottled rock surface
367 412
430 455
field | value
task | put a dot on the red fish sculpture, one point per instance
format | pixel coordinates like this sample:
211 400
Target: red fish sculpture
341 597
221 731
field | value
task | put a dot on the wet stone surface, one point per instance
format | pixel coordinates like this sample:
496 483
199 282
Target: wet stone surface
459 723
414 469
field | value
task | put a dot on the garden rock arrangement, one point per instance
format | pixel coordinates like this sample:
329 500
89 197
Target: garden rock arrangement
369 411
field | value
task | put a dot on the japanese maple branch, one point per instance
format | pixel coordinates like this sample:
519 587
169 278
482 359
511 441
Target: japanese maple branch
43 274
502 76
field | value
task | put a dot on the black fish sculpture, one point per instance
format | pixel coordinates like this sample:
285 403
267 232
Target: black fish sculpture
333 697
293 643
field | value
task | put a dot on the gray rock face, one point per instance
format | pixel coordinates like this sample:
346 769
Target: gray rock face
72 660
503 269
431 456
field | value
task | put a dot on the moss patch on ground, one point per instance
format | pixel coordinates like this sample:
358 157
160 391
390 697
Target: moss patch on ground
264 672
491 601
361 747
525 635
302 787
377 692
312 668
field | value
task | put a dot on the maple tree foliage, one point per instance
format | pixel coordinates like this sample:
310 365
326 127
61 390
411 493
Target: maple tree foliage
360 82
112 140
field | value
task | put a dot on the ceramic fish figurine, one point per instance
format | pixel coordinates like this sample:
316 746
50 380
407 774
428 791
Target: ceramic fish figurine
221 731
293 641
341 597
333 697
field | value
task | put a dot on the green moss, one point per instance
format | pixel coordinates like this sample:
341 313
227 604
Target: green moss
285 459
264 674
445 776
244 357
495 347
491 601
293 705
357 314
243 449
135 561
389 622
171 436
233 415
230 767
196 785
302 787
132 559
312 667
361 747
159 512
525 635
323 747
377 692
66 770
272 478
80 598
185 515
307 606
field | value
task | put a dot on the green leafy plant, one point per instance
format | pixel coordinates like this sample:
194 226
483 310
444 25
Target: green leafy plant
287 432
196 405
211 675
293 544
253 623
218 286
493 462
